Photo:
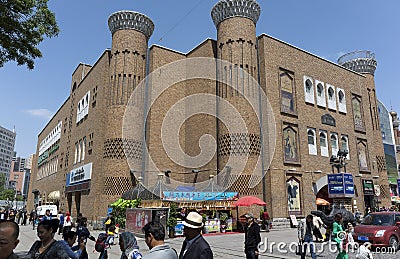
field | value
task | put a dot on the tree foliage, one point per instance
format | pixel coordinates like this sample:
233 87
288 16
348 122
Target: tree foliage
23 25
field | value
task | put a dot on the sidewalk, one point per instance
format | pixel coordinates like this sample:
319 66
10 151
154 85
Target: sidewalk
223 245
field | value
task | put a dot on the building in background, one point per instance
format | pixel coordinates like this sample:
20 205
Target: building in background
20 176
317 108
7 142
389 127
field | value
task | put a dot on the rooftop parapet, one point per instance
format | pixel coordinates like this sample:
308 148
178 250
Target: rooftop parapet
125 20
225 9
362 61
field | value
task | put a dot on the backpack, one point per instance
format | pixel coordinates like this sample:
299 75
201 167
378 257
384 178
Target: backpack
101 242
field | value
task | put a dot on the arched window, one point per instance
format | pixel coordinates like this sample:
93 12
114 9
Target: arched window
312 147
311 137
308 90
341 97
345 145
341 101
331 97
330 93
322 139
320 90
334 144
321 101
323 144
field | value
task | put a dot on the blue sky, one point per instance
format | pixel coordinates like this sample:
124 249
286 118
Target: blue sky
325 28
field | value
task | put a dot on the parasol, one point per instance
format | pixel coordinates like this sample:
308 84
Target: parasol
321 201
248 201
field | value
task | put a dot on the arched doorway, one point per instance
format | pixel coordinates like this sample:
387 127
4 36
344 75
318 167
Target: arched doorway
320 188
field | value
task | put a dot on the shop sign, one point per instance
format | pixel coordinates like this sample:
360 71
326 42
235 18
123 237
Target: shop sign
78 187
80 174
340 185
368 187
199 196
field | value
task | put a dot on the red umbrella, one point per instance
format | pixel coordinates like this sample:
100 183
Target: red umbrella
248 201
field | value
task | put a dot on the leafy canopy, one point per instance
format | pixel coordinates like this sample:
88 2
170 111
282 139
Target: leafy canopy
23 25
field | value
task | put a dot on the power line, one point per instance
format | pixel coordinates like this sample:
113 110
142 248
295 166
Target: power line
180 21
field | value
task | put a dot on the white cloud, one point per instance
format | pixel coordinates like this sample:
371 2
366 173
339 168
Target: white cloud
44 113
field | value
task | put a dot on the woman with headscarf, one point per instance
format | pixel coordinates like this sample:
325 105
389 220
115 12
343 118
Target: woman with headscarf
129 246
67 223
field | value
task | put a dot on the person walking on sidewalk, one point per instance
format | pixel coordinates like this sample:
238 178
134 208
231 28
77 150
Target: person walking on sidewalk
305 232
129 246
154 234
194 246
265 218
339 235
252 237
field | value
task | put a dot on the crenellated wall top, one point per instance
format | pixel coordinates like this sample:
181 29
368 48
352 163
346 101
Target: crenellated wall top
125 20
225 9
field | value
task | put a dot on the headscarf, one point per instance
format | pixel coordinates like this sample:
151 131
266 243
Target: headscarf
130 244
68 219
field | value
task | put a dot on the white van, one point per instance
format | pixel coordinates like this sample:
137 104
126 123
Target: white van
41 210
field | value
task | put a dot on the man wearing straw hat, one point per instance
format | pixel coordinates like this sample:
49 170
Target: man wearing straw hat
194 246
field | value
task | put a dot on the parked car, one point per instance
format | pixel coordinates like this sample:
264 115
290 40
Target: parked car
382 229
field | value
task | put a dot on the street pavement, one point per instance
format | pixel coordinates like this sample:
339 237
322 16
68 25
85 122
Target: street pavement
229 245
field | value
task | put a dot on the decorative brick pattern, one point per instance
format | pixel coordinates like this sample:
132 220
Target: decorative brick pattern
119 148
241 185
381 163
239 144
384 191
117 185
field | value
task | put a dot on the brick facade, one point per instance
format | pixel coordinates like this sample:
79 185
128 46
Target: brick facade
276 65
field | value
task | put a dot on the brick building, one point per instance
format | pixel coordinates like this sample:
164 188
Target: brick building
114 124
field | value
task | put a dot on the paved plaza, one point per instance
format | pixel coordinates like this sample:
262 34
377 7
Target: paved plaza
228 245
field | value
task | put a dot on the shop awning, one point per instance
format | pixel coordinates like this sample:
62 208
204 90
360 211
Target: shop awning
54 196
320 201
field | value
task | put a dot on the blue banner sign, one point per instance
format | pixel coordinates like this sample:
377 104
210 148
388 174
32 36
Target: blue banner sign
340 185
199 196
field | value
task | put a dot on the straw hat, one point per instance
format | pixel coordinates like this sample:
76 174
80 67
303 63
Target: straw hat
193 220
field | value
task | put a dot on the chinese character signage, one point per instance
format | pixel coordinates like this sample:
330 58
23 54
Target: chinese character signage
79 174
340 185
199 196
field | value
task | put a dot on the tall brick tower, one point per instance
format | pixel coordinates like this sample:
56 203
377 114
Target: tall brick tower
235 21
364 62
130 34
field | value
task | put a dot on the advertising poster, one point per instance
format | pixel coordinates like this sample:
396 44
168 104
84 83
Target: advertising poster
293 194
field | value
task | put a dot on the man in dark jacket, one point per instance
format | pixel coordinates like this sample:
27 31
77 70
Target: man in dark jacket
252 237
194 246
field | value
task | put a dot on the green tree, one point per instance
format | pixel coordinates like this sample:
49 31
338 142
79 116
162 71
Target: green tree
23 25
7 194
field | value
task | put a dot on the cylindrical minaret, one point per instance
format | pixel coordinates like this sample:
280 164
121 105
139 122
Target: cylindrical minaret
130 33
362 61
127 68
235 21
